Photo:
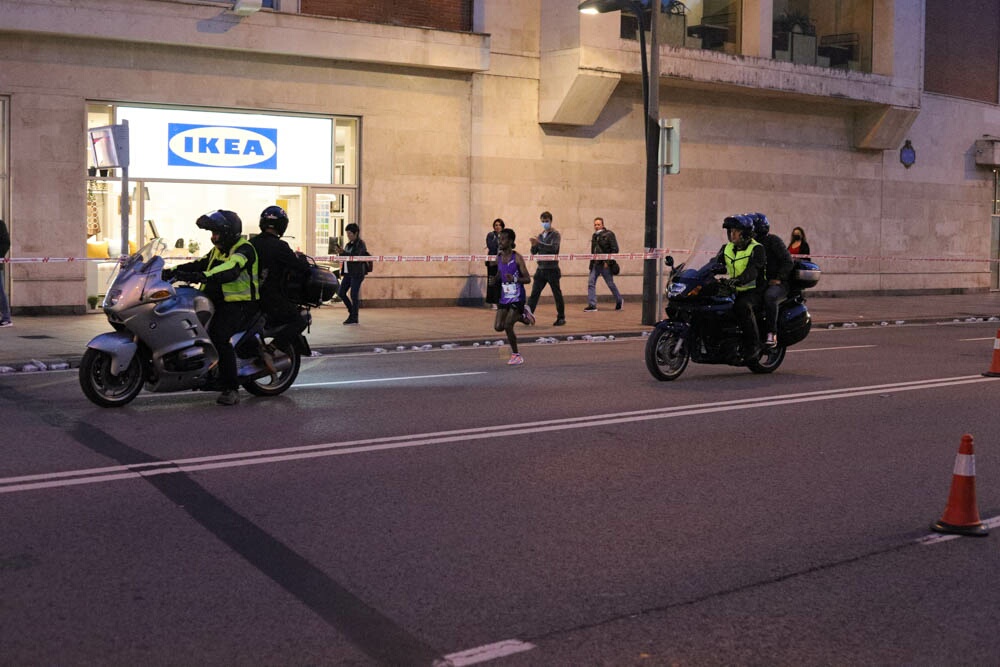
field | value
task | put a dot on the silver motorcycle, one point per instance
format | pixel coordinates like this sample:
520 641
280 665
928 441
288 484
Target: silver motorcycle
161 340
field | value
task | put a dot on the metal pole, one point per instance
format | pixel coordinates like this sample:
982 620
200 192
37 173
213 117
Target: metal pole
125 210
652 83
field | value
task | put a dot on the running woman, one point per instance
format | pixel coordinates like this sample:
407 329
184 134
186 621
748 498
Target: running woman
512 275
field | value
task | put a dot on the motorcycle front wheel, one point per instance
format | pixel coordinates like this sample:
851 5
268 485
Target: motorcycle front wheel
272 385
769 360
102 387
666 355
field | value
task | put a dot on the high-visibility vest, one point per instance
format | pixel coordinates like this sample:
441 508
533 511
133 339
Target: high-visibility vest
736 263
245 287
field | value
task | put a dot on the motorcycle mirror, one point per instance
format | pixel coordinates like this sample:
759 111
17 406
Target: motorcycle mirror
668 260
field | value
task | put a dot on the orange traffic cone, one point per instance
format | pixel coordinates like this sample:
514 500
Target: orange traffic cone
995 364
961 515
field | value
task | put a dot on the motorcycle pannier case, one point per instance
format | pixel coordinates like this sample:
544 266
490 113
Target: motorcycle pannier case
794 323
319 285
805 274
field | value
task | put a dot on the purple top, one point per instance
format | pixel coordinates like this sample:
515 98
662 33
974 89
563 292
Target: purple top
507 271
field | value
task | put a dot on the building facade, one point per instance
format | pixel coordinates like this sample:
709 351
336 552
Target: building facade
423 122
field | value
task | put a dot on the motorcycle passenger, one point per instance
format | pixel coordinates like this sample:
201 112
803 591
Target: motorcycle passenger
229 277
778 269
278 263
744 261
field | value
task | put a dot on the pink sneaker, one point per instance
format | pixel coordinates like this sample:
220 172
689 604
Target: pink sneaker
526 316
515 360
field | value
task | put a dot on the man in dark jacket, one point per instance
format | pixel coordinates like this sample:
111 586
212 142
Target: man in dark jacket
778 269
278 263
603 242
5 320
547 272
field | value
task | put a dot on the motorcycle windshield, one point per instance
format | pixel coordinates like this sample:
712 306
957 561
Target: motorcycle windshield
139 261
701 256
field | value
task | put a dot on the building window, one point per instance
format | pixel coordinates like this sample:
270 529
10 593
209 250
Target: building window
695 24
824 33
185 162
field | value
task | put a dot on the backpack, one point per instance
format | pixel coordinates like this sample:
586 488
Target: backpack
311 288
369 266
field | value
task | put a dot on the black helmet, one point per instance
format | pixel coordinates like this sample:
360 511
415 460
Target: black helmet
740 222
224 223
761 226
274 217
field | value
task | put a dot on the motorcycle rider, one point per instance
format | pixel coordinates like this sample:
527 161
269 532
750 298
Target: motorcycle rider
278 263
229 276
744 260
778 268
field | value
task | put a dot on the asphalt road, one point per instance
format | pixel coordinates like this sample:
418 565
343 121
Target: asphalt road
398 508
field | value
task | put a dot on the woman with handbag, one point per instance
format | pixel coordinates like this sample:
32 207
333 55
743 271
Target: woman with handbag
492 248
353 272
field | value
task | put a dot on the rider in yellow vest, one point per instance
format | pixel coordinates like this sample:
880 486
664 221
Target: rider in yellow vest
745 260
229 273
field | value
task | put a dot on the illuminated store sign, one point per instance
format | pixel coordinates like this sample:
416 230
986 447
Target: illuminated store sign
180 144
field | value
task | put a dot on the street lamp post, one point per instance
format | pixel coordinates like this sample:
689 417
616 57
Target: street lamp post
651 106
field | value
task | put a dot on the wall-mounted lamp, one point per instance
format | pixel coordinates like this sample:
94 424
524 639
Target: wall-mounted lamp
246 7
907 154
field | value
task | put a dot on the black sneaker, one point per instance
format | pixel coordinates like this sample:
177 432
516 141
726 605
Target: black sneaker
558 323
590 309
229 397
618 306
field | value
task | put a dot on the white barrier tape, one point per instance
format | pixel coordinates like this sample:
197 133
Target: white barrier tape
649 253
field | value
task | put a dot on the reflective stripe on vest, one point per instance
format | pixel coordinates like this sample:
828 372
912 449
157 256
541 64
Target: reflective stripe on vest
736 263
245 287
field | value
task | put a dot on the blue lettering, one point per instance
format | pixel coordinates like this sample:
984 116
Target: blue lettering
188 144
206 145
253 146
232 146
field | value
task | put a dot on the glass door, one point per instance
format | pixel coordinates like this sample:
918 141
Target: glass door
333 209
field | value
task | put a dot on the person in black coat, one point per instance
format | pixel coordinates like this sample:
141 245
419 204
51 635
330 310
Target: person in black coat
278 265
492 248
353 273
5 320
778 269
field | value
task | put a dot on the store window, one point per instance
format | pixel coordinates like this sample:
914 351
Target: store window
713 25
186 162
825 33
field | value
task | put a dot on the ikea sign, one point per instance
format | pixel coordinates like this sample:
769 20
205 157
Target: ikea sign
215 146
184 144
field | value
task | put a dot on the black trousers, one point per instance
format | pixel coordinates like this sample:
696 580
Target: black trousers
492 290
352 284
229 318
746 306
549 277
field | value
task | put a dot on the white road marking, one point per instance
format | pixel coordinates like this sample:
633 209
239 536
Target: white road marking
389 379
963 340
240 459
828 349
486 653
937 538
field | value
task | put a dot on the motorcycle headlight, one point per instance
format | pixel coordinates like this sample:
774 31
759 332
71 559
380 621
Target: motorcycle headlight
112 297
675 289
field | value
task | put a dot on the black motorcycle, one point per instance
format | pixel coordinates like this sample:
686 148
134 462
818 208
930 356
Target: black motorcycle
701 324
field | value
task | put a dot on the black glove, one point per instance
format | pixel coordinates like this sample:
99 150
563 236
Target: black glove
190 276
167 274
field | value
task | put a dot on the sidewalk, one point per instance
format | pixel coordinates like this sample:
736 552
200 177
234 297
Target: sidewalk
59 341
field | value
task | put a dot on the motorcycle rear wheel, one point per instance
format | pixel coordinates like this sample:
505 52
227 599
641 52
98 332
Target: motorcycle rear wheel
661 359
769 360
266 386
102 387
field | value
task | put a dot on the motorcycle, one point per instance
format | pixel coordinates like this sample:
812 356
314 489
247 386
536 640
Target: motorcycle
701 325
160 339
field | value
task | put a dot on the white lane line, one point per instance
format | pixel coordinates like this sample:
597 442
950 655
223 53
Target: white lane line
969 339
827 349
937 538
486 653
241 459
389 379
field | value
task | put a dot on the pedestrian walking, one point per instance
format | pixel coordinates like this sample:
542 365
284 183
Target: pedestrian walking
547 273
603 242
5 319
353 272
